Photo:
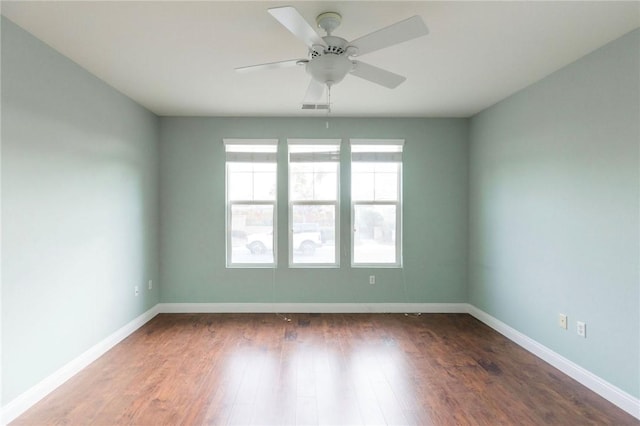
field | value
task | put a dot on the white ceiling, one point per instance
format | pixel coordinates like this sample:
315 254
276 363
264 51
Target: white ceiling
177 57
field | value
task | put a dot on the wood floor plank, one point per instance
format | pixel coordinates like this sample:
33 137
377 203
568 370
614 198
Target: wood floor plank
324 369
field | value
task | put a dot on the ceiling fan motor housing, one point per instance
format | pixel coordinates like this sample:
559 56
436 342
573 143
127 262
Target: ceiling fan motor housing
330 64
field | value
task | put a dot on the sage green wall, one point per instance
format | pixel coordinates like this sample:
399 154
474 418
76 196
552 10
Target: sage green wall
193 214
79 210
542 189
554 209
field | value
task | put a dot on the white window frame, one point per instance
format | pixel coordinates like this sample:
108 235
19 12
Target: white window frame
335 203
249 157
378 155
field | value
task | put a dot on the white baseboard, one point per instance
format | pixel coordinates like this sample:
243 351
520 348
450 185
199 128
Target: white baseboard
611 393
292 308
27 399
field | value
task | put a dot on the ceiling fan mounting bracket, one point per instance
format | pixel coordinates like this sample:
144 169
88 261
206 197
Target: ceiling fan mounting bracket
329 21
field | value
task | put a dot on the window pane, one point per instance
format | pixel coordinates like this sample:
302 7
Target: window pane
240 186
300 183
239 167
251 181
386 167
325 181
252 233
386 187
264 167
264 186
360 167
313 234
362 185
313 181
374 181
375 234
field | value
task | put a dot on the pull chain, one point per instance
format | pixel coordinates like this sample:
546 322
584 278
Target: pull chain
328 99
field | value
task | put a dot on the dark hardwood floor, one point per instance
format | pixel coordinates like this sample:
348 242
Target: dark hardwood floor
332 369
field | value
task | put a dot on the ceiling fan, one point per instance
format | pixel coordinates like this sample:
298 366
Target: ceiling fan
330 57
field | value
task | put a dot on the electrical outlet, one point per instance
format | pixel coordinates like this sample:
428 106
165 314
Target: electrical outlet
372 279
562 321
581 329
150 284
136 290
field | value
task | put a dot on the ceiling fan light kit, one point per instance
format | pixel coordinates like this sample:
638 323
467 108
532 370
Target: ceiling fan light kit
330 57
329 69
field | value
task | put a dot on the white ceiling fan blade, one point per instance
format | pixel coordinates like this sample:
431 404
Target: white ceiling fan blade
271 65
315 91
399 32
291 19
377 75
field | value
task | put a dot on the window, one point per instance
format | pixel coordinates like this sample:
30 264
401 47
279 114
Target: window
251 183
314 176
376 202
